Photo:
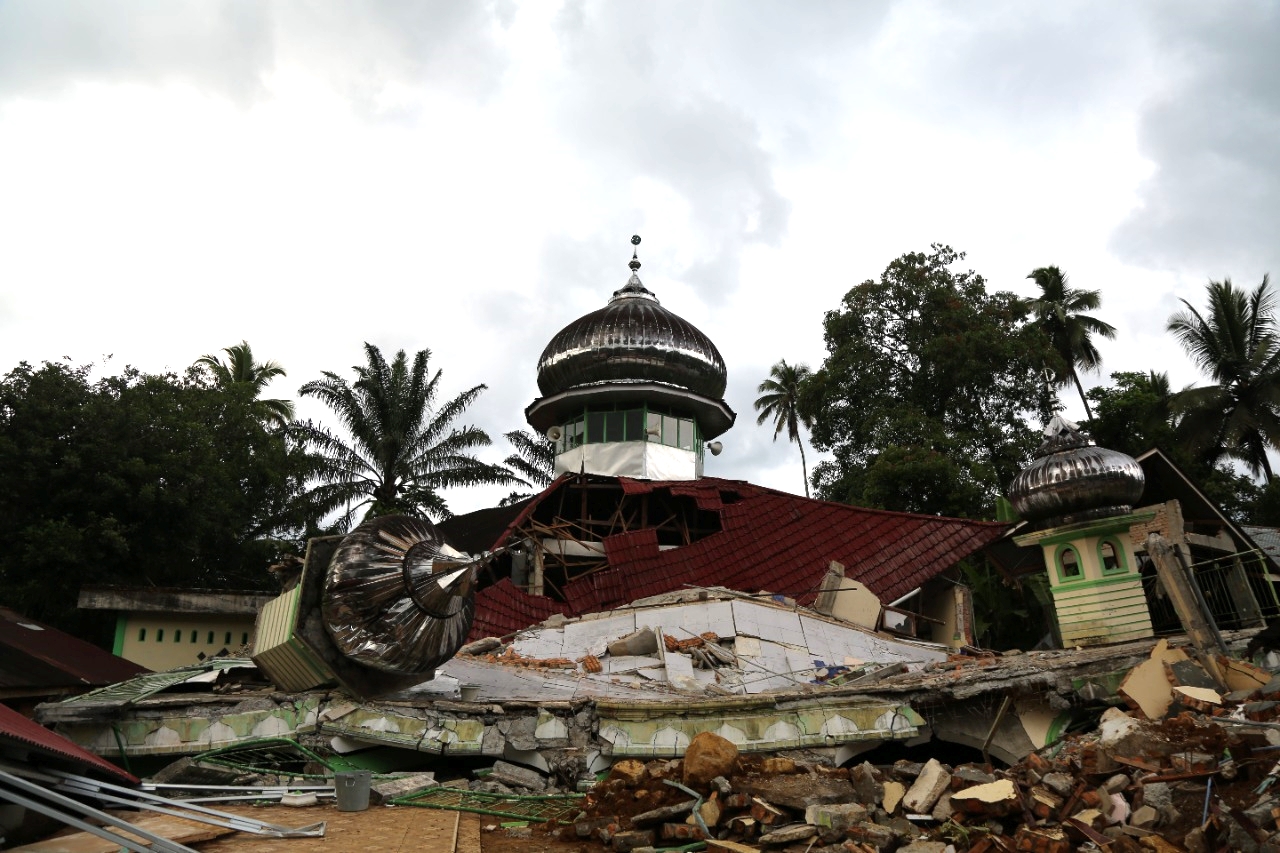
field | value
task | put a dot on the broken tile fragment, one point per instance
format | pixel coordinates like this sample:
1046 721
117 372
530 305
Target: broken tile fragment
788 834
994 799
665 813
835 815
893 794
520 777
928 787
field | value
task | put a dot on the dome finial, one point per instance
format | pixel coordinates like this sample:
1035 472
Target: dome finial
635 260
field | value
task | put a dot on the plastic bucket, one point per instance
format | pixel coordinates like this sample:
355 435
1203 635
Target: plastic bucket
352 788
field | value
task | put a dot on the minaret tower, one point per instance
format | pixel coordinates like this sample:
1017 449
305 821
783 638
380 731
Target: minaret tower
631 390
1078 500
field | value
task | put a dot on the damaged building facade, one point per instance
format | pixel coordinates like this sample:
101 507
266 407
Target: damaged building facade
635 603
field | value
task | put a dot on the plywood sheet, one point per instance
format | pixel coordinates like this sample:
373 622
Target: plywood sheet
172 828
1147 684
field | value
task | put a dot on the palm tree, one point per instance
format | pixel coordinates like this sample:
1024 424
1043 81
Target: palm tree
240 370
1236 345
779 399
1059 314
403 447
534 461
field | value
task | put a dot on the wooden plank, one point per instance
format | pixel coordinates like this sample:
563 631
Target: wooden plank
468 838
730 847
1188 602
172 828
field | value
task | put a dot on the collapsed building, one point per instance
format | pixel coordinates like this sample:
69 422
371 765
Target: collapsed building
635 604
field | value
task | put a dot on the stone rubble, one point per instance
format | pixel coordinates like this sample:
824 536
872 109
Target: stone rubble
1129 785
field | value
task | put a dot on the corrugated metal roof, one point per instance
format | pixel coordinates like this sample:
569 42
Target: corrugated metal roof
16 729
34 656
1266 538
768 540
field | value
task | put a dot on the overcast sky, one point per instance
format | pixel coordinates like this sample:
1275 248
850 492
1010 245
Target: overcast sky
178 176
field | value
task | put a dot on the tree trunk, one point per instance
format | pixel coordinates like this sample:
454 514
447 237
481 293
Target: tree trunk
1087 411
803 467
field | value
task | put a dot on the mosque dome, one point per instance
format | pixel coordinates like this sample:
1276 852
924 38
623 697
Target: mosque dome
632 339
1072 480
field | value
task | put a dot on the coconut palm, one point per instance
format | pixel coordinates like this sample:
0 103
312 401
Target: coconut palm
1059 314
779 400
1234 343
534 462
240 370
403 447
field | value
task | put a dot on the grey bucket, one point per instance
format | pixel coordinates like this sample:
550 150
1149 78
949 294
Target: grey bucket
352 788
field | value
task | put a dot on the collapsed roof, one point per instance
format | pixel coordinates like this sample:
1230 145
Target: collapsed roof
592 543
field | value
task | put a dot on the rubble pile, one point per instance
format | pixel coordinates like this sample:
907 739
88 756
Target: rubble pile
1191 782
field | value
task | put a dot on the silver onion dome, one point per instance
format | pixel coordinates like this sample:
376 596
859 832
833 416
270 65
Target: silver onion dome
1071 480
632 339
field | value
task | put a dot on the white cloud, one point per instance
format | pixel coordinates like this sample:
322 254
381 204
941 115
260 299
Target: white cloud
465 177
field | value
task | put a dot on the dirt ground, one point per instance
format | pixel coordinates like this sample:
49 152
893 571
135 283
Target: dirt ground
384 829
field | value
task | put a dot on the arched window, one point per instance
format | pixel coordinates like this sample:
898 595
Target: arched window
1069 567
177 636
1111 557
142 635
159 635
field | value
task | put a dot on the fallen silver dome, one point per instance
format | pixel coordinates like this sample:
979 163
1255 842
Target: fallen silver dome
397 598
1071 480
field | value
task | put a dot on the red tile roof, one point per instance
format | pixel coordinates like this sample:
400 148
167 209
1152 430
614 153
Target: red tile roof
769 540
35 656
17 730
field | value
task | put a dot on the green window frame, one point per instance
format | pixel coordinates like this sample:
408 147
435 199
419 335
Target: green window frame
1061 564
210 641
159 635
618 424
1120 564
142 635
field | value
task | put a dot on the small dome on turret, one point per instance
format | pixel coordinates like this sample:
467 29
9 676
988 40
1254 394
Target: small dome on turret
1071 480
632 339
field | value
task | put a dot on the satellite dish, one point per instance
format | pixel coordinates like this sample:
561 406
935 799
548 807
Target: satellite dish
555 433
715 447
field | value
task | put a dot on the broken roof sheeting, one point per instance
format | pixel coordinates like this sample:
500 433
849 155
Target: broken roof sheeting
35 657
16 729
768 539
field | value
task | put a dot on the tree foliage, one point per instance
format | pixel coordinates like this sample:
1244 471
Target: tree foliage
1139 412
923 391
779 401
534 462
1235 344
403 446
135 479
1135 414
1059 315
241 369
